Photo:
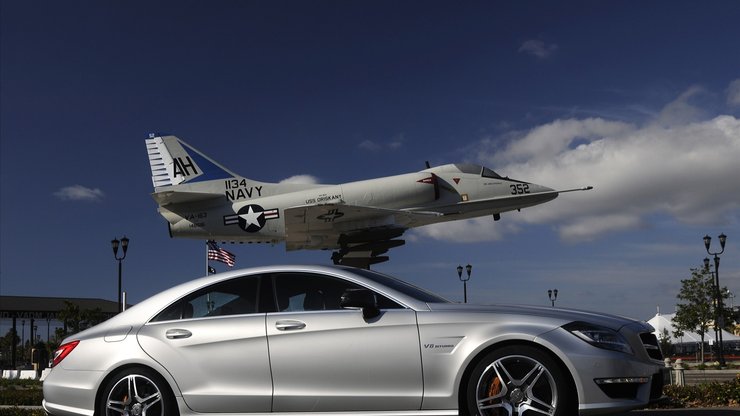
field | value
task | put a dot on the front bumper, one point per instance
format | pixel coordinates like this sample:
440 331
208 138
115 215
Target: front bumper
608 381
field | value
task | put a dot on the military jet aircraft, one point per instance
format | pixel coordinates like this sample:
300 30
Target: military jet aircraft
360 220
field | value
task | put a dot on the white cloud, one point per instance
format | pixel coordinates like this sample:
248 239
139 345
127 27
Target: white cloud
733 93
469 231
369 145
687 171
588 228
538 48
301 179
547 141
79 193
681 111
394 143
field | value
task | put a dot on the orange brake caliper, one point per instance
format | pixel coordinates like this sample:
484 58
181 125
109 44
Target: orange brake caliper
495 387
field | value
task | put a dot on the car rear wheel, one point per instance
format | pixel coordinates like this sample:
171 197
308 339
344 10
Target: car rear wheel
521 381
136 392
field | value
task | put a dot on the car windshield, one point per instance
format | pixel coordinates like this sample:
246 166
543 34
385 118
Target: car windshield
401 286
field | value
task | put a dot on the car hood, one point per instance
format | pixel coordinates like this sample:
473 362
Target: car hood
567 315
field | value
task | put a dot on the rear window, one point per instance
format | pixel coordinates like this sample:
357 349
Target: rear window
232 297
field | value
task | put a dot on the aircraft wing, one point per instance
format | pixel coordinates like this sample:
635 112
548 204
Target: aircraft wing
360 234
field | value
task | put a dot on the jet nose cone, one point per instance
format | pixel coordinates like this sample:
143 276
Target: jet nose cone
536 189
542 193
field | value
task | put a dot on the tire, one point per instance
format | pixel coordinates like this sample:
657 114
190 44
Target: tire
136 391
519 380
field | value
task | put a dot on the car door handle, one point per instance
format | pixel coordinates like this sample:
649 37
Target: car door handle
178 333
289 325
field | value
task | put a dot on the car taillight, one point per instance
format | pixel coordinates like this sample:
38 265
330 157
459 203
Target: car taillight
62 352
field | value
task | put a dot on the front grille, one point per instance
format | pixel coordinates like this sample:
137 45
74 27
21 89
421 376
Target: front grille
652 347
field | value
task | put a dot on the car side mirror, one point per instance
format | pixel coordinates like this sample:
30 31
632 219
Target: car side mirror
360 299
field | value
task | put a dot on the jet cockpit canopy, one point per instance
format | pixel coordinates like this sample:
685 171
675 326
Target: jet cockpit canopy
474 169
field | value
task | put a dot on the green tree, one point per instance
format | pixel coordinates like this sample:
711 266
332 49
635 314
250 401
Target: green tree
6 345
92 317
665 342
76 319
696 313
71 317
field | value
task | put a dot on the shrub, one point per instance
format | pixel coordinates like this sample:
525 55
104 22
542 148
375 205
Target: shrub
21 393
13 397
704 395
17 384
17 411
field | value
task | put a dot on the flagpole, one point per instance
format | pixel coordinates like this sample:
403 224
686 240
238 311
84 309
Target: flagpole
207 258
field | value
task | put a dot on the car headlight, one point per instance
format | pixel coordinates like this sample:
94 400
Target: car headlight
599 336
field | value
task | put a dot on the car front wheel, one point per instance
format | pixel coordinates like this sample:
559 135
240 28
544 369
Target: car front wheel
519 380
136 392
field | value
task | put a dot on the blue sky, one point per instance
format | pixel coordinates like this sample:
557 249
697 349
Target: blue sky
639 99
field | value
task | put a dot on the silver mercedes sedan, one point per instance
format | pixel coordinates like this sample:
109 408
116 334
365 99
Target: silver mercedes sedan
320 339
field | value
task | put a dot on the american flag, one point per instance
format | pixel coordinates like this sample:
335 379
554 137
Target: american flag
217 253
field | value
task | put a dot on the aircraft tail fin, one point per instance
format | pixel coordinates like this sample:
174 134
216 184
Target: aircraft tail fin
174 162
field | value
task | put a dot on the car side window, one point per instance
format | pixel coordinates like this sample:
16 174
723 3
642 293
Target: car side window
295 292
232 297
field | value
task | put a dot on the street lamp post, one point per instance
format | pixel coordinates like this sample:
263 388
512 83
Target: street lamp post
552 294
715 350
124 246
469 269
718 315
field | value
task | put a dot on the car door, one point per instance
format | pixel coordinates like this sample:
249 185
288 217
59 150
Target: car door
213 343
325 358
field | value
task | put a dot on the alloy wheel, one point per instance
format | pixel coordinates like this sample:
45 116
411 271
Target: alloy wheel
134 395
516 385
